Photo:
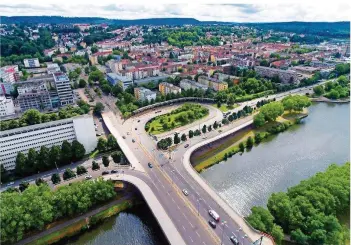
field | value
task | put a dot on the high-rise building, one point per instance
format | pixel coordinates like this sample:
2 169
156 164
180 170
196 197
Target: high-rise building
63 88
80 128
31 63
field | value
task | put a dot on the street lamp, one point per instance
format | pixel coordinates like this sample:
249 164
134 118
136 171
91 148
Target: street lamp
198 206
223 224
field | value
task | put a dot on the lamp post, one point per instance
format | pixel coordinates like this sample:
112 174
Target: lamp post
198 206
223 224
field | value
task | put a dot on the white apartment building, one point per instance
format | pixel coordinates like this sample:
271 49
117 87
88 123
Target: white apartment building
31 63
190 84
142 94
80 128
6 107
8 76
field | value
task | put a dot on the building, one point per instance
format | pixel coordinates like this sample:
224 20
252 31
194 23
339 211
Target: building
6 107
142 94
122 81
168 88
190 84
53 68
31 63
213 83
34 94
80 128
63 88
114 65
8 76
285 76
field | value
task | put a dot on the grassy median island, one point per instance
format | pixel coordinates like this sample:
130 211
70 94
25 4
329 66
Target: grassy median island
179 117
224 107
272 119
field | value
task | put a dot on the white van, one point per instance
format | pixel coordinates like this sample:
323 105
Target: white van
214 215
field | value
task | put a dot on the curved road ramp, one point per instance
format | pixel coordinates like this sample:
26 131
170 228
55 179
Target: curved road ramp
158 211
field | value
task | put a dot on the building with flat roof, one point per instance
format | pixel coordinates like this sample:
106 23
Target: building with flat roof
168 88
80 128
63 88
187 84
285 76
213 83
53 68
122 81
142 94
6 107
31 63
8 76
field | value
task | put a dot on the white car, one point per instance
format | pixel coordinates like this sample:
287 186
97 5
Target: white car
88 177
185 192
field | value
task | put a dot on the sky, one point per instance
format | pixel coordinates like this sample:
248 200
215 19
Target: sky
270 11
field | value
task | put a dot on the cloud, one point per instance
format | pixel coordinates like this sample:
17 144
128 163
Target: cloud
207 12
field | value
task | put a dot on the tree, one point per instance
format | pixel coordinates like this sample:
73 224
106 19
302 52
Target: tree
81 170
272 110
66 152
39 181
231 100
31 162
261 219
54 156
112 142
318 90
68 174
23 186
32 116
99 107
204 129
105 161
299 237
21 160
117 156
191 133
259 120
241 147
82 83
101 145
278 234
249 142
209 128
176 139
295 102
183 137
78 150
215 125
3 174
55 178
258 138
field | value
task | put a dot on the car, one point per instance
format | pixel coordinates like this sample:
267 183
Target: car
138 120
98 134
127 133
214 215
219 131
212 224
234 240
11 183
136 128
185 192
150 165
204 137
133 140
186 146
124 137
114 171
105 172
88 177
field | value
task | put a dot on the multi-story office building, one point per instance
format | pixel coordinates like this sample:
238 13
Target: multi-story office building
213 83
80 128
142 94
285 76
33 94
190 84
8 76
31 63
63 88
6 107
122 81
168 88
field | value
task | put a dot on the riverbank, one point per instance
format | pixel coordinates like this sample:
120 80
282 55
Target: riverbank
79 224
324 99
228 146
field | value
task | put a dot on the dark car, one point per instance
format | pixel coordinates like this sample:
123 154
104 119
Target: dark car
133 140
234 240
150 165
186 146
123 137
114 171
136 129
212 224
138 120
105 172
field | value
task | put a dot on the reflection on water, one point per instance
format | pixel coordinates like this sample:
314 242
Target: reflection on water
285 160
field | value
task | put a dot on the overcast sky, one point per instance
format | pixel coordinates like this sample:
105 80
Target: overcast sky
300 10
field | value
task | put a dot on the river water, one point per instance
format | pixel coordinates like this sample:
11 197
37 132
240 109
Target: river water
296 154
134 227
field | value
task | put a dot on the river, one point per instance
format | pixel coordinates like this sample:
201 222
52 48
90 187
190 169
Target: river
294 155
134 227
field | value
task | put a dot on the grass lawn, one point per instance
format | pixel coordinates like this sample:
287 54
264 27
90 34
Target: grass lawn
156 126
225 107
214 155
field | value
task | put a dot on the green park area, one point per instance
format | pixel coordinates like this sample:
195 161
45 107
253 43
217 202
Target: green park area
181 116
271 119
225 107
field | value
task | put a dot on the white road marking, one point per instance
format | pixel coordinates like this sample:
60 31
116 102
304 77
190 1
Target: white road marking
183 227
197 233
191 239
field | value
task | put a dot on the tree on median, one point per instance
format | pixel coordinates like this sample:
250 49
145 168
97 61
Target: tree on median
105 161
55 178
